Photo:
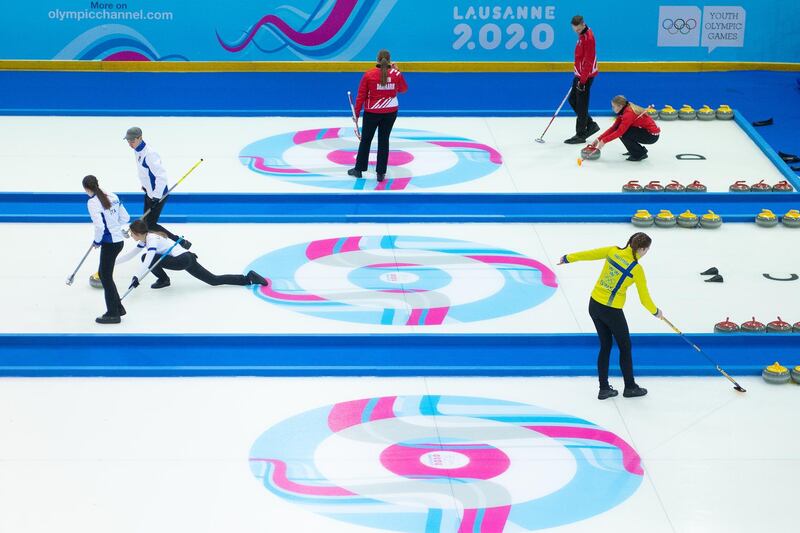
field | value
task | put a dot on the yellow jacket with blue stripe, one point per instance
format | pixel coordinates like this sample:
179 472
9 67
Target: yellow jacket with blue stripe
619 271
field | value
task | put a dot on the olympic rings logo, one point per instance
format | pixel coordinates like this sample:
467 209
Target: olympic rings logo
679 25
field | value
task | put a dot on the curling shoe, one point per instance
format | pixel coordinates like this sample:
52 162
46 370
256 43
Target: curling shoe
575 139
381 177
254 278
108 319
122 311
160 284
636 157
592 129
355 173
605 394
634 392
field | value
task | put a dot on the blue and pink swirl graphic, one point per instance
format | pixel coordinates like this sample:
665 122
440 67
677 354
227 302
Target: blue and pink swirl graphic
417 159
405 280
446 464
337 29
113 42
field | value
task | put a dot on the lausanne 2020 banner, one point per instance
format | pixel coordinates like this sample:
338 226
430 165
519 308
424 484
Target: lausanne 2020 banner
414 30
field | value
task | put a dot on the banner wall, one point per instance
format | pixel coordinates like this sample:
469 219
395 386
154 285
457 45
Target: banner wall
414 30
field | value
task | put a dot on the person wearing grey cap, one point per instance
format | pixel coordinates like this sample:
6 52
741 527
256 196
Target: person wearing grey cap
153 177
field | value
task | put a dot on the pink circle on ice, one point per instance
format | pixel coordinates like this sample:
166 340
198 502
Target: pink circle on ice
348 157
466 461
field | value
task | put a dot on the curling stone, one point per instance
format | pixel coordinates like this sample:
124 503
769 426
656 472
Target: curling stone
779 326
724 112
652 112
632 186
696 186
795 373
776 374
654 186
674 186
739 186
753 326
782 186
710 220
687 219
766 219
760 187
665 219
94 281
642 218
706 113
590 153
687 112
668 113
791 219
726 326
796 327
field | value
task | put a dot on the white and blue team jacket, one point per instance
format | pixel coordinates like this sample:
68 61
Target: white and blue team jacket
107 222
151 172
153 244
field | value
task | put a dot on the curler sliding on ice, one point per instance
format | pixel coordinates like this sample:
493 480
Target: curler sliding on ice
159 253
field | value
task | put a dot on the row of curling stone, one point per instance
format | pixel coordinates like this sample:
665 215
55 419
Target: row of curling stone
754 326
777 374
655 186
665 219
742 186
687 112
768 219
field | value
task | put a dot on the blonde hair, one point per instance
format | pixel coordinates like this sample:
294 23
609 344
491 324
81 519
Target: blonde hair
384 62
622 102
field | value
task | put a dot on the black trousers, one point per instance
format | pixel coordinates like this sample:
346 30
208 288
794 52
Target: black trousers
108 256
579 100
188 261
152 217
383 122
610 322
634 138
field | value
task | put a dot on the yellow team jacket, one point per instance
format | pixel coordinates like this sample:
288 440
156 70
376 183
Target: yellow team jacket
618 273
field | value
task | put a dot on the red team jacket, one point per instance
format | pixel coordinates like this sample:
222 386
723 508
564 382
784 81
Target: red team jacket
585 56
626 119
377 98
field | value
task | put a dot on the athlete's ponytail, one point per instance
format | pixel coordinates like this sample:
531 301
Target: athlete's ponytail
384 62
139 227
622 102
90 183
638 241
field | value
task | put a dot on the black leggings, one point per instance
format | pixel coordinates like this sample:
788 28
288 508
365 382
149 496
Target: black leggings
611 322
108 256
579 101
188 261
152 217
633 139
383 122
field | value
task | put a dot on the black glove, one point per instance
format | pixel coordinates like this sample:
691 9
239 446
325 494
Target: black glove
134 283
580 86
154 202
